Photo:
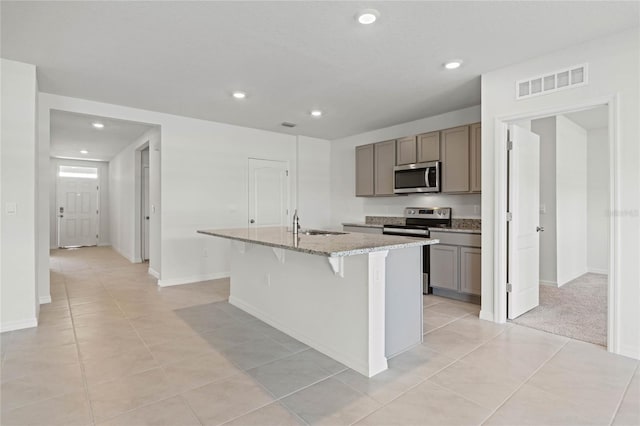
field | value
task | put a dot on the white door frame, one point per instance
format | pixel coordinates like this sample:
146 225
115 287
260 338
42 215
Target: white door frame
500 188
137 227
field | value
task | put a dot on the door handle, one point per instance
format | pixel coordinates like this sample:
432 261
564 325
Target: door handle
539 228
146 217
252 221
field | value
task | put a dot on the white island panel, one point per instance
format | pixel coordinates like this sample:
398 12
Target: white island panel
345 317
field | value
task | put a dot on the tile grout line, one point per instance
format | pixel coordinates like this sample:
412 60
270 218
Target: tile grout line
624 394
75 338
525 382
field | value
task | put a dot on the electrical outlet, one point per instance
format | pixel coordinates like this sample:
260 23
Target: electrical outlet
543 208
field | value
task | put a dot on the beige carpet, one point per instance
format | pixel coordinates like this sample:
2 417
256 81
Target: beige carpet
578 310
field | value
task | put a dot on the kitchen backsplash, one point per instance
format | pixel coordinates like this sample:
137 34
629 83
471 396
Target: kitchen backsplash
399 220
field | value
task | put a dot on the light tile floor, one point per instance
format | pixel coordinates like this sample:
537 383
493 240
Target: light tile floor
114 349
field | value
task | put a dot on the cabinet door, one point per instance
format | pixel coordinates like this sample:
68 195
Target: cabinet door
364 170
455 159
429 147
385 161
444 266
406 150
475 170
470 273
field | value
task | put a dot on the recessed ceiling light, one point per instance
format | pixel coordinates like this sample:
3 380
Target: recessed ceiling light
97 125
316 113
84 151
367 16
452 65
239 95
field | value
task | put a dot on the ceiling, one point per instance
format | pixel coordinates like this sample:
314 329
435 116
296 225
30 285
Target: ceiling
71 133
186 58
589 119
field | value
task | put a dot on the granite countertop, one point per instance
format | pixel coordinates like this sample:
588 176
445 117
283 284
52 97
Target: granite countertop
346 244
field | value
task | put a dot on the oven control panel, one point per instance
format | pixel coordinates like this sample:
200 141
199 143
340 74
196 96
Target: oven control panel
428 212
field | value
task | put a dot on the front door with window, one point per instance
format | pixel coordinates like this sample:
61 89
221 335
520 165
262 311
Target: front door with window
77 206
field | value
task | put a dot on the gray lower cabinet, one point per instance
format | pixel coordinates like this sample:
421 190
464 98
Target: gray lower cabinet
470 275
444 266
456 263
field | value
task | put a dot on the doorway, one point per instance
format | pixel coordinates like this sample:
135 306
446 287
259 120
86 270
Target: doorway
567 284
77 206
268 193
144 204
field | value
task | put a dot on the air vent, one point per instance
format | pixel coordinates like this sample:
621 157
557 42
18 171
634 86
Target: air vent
567 78
287 124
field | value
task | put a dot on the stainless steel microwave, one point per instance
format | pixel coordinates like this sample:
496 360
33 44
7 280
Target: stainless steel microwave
419 177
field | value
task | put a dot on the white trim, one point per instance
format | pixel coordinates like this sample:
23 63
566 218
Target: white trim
192 279
486 315
549 283
45 299
154 273
18 325
500 245
598 271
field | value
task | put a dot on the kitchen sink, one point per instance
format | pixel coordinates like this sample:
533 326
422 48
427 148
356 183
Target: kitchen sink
319 232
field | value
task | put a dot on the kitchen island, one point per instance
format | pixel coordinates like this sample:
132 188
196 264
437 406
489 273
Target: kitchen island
354 297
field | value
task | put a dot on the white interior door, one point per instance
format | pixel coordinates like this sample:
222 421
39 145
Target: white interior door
77 211
145 213
268 193
523 229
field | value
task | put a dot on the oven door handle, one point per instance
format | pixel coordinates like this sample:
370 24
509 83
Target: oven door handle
406 232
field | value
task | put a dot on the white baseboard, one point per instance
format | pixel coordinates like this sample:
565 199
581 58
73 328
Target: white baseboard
18 325
338 356
193 279
45 299
598 271
154 273
549 283
487 316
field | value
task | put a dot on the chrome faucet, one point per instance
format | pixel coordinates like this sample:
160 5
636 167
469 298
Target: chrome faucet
296 222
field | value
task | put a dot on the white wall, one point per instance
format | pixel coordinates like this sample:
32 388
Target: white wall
349 208
314 207
204 182
613 70
103 201
124 196
571 199
546 129
598 200
19 231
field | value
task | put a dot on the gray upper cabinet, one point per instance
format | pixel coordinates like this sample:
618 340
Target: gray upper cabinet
455 159
406 150
364 170
475 147
428 147
385 161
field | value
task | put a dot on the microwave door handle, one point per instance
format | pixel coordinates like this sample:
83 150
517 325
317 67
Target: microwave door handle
426 177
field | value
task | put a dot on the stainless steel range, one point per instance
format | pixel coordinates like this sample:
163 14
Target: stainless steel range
417 223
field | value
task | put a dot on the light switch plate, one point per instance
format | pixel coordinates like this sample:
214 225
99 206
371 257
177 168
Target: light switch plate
543 208
11 209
